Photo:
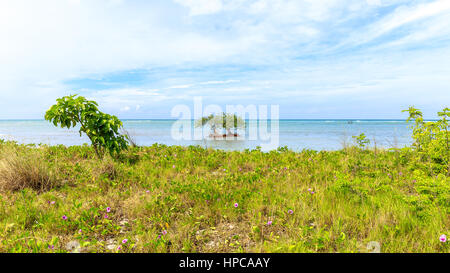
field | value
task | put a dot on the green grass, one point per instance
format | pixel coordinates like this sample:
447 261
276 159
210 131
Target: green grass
182 199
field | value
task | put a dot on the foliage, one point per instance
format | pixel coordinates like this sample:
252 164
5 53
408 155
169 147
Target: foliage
431 138
361 140
102 129
222 121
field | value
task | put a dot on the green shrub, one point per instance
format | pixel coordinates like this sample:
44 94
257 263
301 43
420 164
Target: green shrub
361 140
431 138
102 129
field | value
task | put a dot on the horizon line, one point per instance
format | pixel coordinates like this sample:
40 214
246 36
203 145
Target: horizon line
284 119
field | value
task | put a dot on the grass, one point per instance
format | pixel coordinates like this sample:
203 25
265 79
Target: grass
182 199
21 170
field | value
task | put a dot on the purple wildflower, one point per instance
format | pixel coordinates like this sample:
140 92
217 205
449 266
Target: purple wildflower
124 241
236 205
64 217
290 211
108 209
443 238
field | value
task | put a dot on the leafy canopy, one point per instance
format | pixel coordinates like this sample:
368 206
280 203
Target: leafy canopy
223 120
102 129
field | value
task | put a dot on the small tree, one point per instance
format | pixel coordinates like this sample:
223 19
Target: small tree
206 120
230 122
222 121
102 129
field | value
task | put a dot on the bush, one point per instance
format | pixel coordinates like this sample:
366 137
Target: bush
431 138
102 129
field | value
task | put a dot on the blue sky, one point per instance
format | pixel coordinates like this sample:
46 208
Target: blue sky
314 58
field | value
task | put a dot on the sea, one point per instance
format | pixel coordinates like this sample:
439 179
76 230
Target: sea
295 134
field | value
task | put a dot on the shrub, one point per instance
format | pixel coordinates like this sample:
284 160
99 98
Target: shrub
102 129
361 140
431 138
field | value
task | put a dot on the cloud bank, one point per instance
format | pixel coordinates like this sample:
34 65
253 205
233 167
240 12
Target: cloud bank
316 59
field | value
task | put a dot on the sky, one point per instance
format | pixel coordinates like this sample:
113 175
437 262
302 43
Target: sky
314 58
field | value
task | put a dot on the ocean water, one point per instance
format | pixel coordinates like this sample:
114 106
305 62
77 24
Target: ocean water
295 134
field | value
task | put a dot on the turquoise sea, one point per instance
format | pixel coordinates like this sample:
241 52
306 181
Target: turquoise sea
295 134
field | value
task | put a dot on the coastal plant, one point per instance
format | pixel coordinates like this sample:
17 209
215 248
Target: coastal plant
227 121
102 129
361 140
431 138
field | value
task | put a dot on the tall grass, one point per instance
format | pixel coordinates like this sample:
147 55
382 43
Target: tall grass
20 170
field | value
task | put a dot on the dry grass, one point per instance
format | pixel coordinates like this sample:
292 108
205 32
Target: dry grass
27 170
108 168
130 137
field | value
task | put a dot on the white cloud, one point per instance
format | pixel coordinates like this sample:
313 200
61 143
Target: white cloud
407 15
201 7
195 47
125 109
219 82
402 16
184 86
374 2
